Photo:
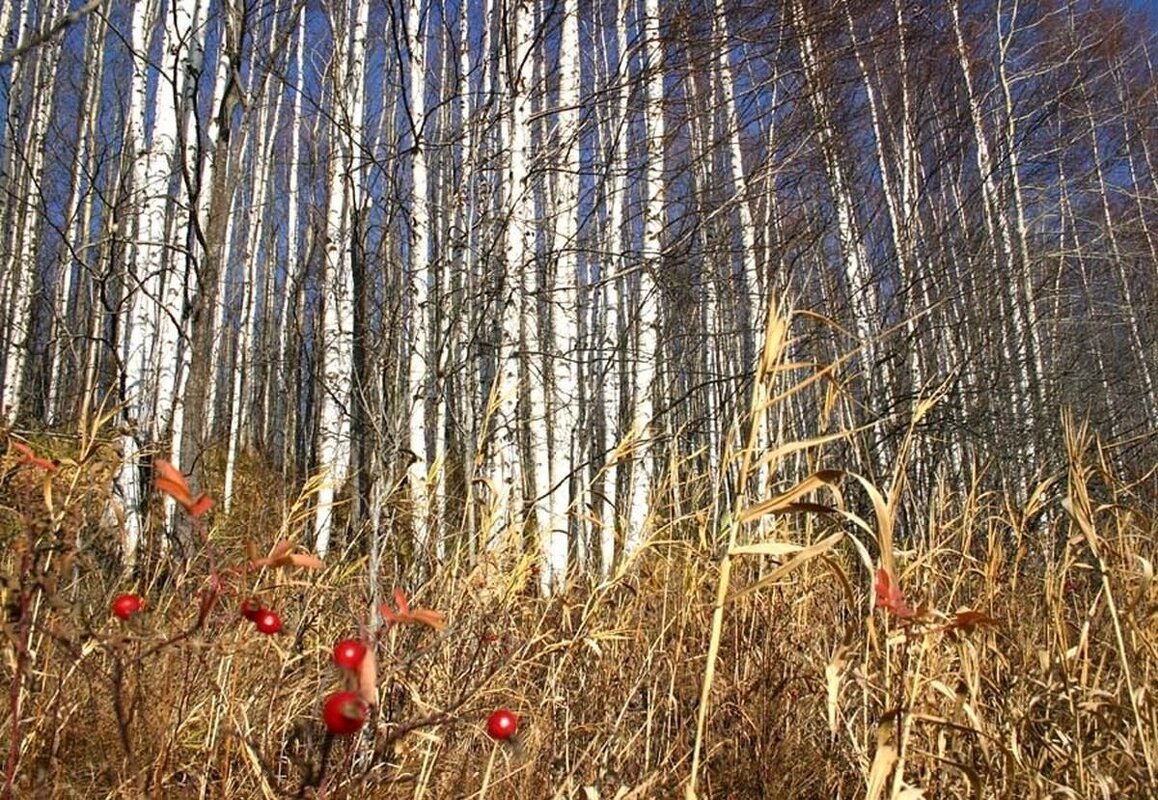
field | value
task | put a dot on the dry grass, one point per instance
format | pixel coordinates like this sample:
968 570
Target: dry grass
762 628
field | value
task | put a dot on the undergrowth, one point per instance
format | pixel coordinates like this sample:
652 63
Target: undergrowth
787 643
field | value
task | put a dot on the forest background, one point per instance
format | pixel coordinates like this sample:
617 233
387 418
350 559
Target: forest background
509 259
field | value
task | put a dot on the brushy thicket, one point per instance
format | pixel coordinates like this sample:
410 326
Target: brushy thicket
1026 668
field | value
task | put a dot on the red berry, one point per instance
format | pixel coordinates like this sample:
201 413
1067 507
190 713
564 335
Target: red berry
348 653
250 608
267 621
502 724
344 713
126 605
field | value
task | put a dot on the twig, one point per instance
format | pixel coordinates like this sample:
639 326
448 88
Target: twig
41 36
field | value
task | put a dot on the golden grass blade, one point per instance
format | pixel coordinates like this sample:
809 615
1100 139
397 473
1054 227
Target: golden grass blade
883 761
885 517
770 458
833 672
1077 504
766 549
808 553
816 480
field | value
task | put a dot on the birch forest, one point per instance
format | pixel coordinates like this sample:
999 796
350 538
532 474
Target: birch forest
481 268
579 399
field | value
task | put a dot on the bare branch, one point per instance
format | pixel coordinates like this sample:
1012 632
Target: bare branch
49 31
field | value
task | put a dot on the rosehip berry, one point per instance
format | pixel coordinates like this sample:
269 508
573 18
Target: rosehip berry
344 713
348 653
250 608
267 621
125 605
502 724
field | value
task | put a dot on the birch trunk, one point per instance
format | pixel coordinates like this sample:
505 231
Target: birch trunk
155 283
997 228
613 341
420 368
563 392
212 198
643 424
516 487
26 215
333 447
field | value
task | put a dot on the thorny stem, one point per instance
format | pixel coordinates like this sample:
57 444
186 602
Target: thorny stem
119 706
208 601
14 692
320 777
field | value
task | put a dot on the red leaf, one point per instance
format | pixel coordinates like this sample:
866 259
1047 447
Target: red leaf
405 616
889 596
401 601
368 677
171 481
201 504
967 620
282 555
27 456
305 561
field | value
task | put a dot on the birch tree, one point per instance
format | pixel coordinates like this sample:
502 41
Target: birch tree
29 109
643 424
531 244
420 368
345 194
563 389
514 486
152 352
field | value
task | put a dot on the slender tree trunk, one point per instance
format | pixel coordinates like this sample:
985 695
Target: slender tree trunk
337 335
643 425
563 390
421 364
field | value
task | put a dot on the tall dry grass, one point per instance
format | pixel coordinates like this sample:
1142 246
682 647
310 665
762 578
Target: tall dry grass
741 652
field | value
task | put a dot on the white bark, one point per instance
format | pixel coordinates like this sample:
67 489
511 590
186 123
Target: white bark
21 264
263 139
612 342
73 318
295 262
336 351
998 232
857 276
647 342
515 489
563 392
894 201
156 283
752 304
1021 268
1129 307
420 368
224 75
